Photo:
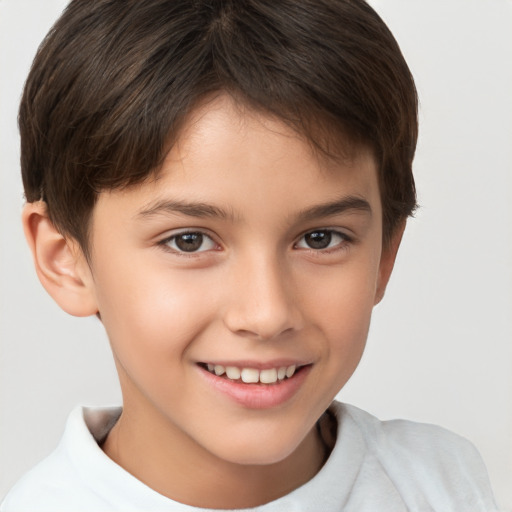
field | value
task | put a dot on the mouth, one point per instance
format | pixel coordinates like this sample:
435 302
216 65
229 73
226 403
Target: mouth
249 375
256 385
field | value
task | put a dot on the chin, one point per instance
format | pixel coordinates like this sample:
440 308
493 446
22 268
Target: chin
248 450
257 457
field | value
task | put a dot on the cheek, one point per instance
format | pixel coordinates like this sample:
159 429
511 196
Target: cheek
341 305
346 321
146 309
343 295
148 318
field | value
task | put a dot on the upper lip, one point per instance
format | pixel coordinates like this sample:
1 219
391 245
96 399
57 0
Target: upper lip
258 365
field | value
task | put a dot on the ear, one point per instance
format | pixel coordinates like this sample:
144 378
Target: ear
387 261
59 262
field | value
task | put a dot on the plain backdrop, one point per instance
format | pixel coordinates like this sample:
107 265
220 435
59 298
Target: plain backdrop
440 346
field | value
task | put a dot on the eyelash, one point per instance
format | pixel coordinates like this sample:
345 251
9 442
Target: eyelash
166 243
331 233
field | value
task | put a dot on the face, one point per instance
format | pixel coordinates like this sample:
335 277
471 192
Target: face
247 254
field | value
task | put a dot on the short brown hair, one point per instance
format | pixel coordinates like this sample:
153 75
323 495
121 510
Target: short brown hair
114 80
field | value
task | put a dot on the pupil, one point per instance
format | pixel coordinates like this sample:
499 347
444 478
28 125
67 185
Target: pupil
318 239
189 242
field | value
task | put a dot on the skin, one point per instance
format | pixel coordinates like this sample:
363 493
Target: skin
254 291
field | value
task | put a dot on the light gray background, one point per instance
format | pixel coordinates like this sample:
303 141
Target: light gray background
440 347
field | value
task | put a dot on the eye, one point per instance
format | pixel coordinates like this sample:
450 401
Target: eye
322 239
189 242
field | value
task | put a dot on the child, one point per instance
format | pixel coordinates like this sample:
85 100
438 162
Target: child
225 185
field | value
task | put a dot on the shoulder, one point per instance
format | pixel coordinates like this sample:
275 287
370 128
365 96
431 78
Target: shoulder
423 459
46 486
404 435
40 488
58 480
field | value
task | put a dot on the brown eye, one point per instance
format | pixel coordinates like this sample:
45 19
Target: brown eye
318 239
190 242
322 239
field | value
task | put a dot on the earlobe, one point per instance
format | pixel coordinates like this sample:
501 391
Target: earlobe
387 262
59 262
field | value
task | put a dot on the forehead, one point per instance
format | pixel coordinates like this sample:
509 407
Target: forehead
235 157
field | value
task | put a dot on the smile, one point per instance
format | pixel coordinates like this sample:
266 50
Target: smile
256 385
252 375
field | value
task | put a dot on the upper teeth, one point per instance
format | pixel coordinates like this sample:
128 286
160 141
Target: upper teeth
253 375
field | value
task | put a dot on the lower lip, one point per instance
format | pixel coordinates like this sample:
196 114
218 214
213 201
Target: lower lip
258 396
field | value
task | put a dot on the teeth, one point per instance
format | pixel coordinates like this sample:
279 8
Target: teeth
268 376
252 375
290 371
232 372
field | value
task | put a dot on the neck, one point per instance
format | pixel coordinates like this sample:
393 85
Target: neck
170 462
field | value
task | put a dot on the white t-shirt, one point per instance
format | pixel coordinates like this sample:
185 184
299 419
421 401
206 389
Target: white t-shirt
384 466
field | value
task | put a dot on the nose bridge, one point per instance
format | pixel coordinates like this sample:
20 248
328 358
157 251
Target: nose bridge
262 304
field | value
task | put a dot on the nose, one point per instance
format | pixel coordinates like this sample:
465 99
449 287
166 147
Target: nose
262 302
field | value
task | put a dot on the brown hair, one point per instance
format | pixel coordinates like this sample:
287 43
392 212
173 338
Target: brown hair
114 80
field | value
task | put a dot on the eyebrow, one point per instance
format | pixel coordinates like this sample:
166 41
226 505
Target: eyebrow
191 209
204 210
348 204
